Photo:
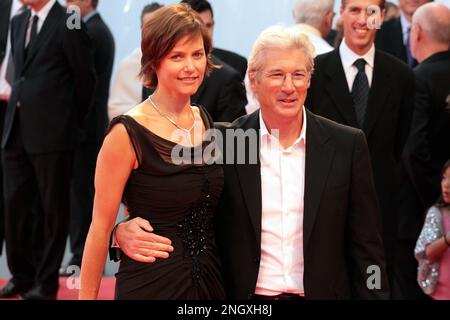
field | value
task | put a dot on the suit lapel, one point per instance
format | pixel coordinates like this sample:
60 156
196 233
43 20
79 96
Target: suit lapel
337 88
378 94
319 156
250 181
48 27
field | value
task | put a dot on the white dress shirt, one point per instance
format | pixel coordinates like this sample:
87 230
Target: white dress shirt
5 88
348 58
282 190
126 90
42 15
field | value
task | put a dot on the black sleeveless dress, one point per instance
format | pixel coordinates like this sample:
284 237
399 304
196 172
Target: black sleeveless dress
179 201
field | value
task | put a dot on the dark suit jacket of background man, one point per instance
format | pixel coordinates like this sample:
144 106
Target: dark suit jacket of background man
44 85
103 47
388 118
234 60
5 11
428 146
341 220
85 158
390 39
222 93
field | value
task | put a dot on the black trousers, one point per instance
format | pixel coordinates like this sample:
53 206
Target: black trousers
30 181
81 198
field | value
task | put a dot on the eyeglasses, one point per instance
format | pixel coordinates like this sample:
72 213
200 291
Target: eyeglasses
298 79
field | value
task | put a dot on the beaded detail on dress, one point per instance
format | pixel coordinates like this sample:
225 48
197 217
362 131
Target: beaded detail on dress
195 230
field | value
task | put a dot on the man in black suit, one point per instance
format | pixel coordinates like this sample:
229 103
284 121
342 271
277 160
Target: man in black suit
428 146
393 37
5 14
53 86
85 158
362 87
204 9
302 219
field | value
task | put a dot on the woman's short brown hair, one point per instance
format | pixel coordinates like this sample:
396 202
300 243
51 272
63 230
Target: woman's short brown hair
164 28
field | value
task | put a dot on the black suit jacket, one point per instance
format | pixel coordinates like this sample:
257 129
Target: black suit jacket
222 93
341 219
390 39
388 118
53 86
5 11
428 146
237 62
103 46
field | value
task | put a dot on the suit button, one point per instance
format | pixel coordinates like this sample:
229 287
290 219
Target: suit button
18 104
250 296
256 259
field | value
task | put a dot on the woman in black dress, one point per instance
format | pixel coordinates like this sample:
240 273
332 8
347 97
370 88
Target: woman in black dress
136 164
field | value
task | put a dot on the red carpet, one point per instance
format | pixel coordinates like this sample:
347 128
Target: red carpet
68 291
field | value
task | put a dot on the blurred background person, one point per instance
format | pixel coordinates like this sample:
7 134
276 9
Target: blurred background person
8 8
314 18
433 246
51 94
428 146
126 90
85 157
393 37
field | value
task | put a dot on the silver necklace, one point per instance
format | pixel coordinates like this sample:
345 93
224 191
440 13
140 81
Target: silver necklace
172 121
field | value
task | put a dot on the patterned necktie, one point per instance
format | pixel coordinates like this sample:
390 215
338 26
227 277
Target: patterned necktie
360 92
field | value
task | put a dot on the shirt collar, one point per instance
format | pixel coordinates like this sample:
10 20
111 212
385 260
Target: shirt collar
89 15
263 131
348 56
43 13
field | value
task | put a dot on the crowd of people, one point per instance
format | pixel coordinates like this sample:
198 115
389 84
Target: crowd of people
348 194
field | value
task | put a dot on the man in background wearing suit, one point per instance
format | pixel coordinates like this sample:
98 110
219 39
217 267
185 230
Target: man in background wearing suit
85 157
6 12
393 37
303 221
52 91
428 146
362 87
